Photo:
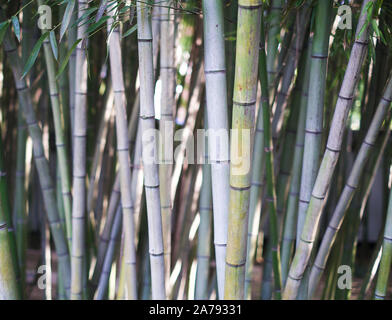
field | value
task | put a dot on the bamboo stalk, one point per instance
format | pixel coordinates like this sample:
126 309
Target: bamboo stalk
386 257
78 267
315 108
289 229
330 158
59 134
350 187
39 158
244 100
167 75
273 38
215 74
151 176
10 288
123 157
204 236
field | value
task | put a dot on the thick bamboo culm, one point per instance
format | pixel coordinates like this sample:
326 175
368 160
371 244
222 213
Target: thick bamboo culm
204 234
78 266
166 124
123 157
315 108
215 74
386 257
151 175
244 101
329 159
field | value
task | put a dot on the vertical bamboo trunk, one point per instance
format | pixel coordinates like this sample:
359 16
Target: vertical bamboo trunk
72 37
270 175
273 38
244 100
123 158
315 108
386 258
204 236
149 151
41 162
19 202
330 157
79 161
62 158
9 269
350 187
215 74
167 74
257 183
290 223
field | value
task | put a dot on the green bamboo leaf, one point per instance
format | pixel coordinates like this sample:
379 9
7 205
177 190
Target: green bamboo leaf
67 17
375 28
15 23
96 25
53 44
130 31
3 29
65 61
34 54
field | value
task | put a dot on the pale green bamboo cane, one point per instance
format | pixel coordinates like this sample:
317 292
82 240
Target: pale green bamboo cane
99 147
350 188
330 157
166 124
19 203
9 268
290 66
79 161
107 265
115 197
129 254
72 38
59 133
290 224
386 257
315 108
149 148
8 283
270 177
257 184
244 100
216 96
204 236
273 38
39 157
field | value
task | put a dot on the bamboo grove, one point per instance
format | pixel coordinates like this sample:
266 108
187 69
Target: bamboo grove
198 149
